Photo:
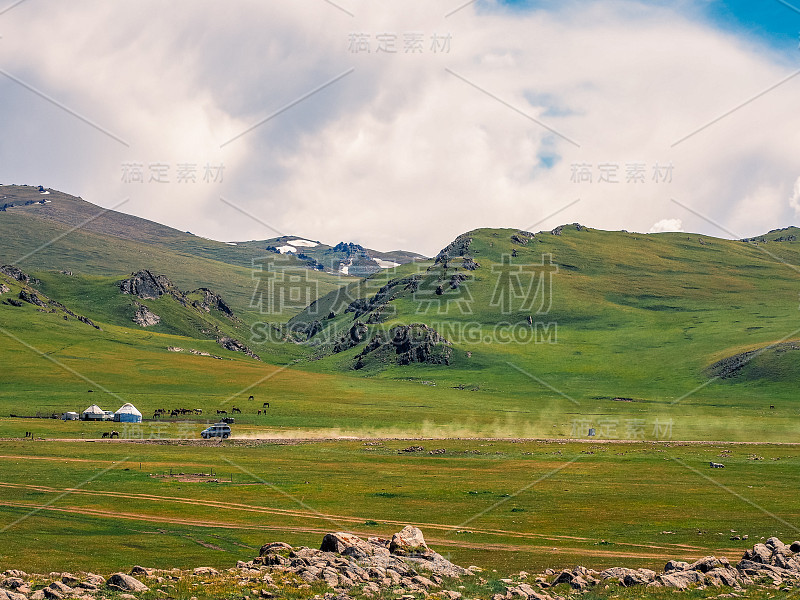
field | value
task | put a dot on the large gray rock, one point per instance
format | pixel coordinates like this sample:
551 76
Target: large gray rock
680 579
350 545
675 565
126 583
708 563
143 284
723 576
628 577
409 542
275 548
758 554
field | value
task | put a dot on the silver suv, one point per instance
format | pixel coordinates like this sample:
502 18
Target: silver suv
222 430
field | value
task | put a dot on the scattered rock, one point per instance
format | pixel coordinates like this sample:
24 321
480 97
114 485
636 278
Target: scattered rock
236 346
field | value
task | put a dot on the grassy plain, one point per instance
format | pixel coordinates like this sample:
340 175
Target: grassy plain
502 505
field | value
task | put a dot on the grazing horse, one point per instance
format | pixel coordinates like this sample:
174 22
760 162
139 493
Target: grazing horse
105 434
716 465
114 434
222 412
236 410
772 407
198 411
251 398
266 404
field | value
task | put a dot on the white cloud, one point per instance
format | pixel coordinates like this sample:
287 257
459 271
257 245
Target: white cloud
667 225
794 201
400 153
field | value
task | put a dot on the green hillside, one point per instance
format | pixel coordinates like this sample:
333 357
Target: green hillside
631 322
505 333
43 237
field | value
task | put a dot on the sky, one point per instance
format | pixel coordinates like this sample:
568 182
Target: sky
400 124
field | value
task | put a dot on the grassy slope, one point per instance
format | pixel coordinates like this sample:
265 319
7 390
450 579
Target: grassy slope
116 244
638 317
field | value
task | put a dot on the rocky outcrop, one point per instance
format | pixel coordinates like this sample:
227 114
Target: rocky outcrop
351 338
18 275
31 298
348 562
558 230
346 248
405 567
455 251
143 284
523 237
143 317
236 346
392 290
406 344
211 300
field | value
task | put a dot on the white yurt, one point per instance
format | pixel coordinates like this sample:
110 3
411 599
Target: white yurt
93 413
128 413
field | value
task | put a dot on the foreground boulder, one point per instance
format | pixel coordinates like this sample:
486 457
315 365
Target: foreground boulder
409 542
126 583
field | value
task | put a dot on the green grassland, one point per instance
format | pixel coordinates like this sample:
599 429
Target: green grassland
635 320
498 504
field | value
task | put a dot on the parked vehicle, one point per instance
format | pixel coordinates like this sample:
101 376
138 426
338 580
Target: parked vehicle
222 430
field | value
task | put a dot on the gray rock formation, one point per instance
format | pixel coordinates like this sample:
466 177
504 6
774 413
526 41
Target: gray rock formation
31 298
144 317
406 344
18 275
143 284
211 300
